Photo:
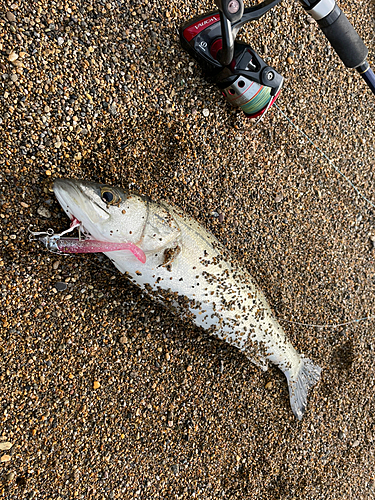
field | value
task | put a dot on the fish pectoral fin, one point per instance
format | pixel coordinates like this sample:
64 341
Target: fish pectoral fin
169 255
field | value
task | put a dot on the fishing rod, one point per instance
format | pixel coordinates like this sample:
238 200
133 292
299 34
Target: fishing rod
244 79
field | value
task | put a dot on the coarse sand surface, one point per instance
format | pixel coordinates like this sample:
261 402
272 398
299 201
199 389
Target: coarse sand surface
106 394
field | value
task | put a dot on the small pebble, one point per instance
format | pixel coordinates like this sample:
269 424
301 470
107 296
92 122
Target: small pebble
10 477
44 212
12 56
61 286
289 60
5 458
5 445
96 384
269 385
206 112
11 17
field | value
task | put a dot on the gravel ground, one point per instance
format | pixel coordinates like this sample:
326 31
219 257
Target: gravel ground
106 395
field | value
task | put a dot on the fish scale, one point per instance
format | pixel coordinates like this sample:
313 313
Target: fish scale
187 268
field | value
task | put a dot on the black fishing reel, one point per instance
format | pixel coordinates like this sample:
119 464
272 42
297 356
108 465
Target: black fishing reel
245 80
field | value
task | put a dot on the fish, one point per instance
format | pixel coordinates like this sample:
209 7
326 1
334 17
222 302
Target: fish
178 262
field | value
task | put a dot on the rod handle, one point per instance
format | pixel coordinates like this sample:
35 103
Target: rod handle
340 33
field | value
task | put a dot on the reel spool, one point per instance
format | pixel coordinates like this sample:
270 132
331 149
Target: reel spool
251 97
252 92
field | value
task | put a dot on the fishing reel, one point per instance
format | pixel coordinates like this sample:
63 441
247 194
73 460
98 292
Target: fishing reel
244 79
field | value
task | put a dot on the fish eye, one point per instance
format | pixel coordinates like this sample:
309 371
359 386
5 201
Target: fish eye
109 197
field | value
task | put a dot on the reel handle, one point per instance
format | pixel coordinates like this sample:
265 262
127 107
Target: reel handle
225 55
230 11
233 16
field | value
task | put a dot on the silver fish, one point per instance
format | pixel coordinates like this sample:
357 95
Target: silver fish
174 259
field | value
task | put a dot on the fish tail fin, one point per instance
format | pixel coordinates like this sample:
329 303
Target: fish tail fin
299 384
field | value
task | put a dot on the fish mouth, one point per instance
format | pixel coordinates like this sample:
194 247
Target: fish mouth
63 190
79 200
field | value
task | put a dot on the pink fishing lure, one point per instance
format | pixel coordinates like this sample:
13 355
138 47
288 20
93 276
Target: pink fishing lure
75 245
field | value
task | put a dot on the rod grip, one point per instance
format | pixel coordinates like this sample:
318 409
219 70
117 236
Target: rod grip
344 38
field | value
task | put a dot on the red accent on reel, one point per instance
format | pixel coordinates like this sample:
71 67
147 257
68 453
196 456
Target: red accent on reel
216 46
192 31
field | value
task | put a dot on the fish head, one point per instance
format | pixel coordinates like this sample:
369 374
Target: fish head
106 213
